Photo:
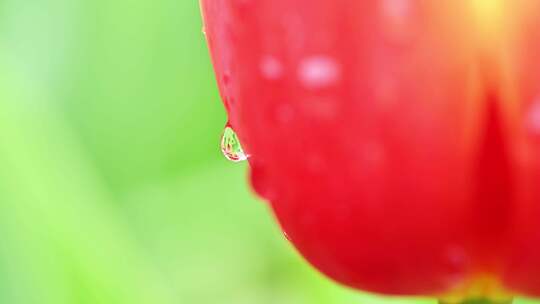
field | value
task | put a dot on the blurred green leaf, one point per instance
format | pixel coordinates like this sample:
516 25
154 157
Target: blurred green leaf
64 236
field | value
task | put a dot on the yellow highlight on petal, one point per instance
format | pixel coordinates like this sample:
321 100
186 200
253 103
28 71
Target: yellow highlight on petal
479 287
489 14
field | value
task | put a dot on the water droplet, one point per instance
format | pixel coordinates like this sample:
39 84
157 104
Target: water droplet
399 19
231 147
318 72
533 119
397 10
271 68
287 236
226 78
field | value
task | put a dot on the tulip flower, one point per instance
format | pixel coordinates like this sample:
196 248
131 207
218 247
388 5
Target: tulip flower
396 141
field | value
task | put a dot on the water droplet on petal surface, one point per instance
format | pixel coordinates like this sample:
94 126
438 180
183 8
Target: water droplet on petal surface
396 9
533 119
271 68
231 147
318 72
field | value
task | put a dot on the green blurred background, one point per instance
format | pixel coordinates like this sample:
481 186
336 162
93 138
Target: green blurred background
112 185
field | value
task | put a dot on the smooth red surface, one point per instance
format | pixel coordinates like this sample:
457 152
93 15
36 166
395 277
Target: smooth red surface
396 140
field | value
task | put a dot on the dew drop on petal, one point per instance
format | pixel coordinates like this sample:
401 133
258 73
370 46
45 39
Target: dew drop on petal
399 20
286 235
397 10
533 118
271 68
231 147
317 72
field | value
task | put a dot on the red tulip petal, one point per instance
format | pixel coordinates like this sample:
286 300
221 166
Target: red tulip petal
378 131
523 258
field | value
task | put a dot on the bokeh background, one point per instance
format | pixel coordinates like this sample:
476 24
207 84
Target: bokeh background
112 185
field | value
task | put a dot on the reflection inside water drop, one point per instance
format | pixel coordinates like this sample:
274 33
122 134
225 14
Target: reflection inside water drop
231 147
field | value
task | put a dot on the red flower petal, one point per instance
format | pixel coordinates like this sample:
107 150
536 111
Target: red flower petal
387 134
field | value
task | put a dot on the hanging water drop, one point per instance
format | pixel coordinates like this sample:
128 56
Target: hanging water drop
231 147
